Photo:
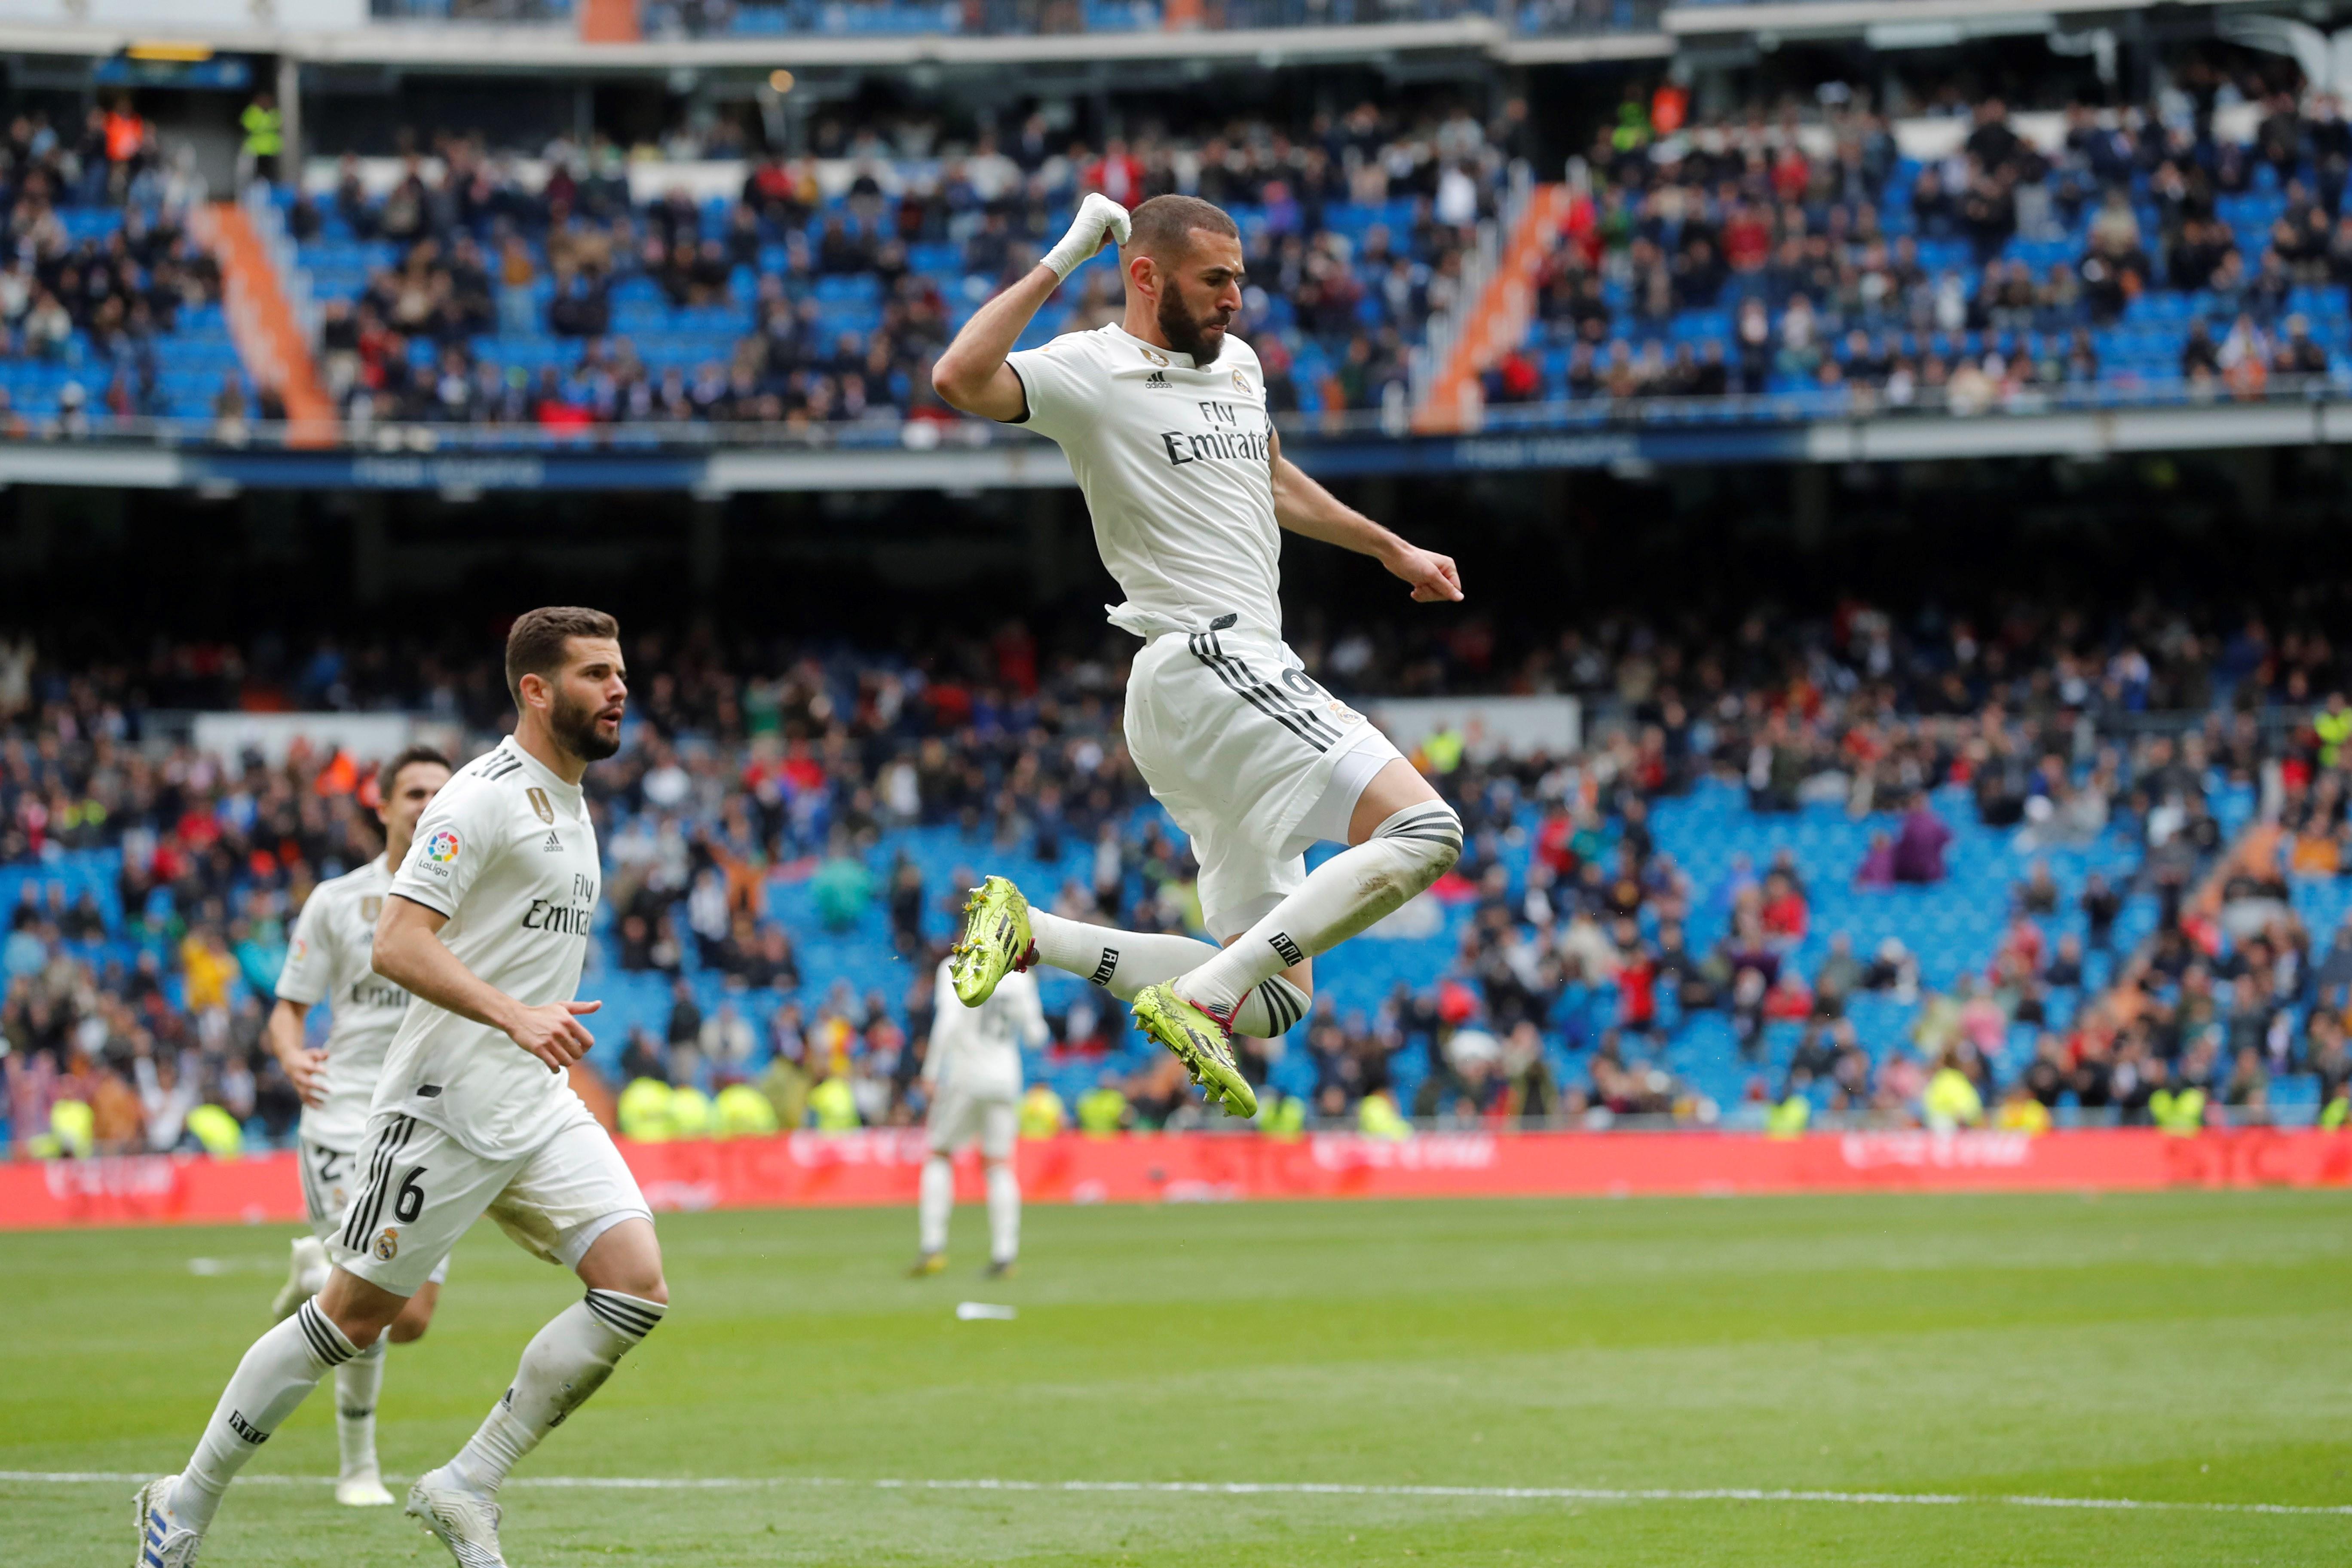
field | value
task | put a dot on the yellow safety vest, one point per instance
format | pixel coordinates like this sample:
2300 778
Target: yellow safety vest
217 1131
1789 1118
2181 1114
744 1113
836 1107
1042 1112
265 130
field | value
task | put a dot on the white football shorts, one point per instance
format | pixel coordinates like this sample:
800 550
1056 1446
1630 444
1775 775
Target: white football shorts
328 1182
420 1190
1254 761
961 1117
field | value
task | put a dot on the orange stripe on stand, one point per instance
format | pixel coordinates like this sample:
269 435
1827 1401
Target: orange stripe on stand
261 319
1498 318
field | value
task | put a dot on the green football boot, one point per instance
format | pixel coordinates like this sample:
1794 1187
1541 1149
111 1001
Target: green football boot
996 940
1201 1042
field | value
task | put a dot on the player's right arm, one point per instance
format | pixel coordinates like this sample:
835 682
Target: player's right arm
409 952
306 1069
459 835
971 375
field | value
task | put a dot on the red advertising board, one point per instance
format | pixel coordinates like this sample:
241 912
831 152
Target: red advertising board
880 1167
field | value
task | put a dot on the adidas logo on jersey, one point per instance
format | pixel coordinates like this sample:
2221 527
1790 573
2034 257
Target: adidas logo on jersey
1157 378
554 845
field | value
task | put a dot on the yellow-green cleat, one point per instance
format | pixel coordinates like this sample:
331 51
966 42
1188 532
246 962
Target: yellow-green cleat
1203 1044
996 940
928 1264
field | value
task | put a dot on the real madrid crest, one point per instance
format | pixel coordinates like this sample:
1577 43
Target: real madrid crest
1240 384
371 907
387 1246
1154 355
540 804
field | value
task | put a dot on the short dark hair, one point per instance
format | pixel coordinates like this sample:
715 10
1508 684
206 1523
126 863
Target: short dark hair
1165 224
535 642
389 774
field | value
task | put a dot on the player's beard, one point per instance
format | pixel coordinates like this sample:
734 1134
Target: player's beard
574 726
1186 334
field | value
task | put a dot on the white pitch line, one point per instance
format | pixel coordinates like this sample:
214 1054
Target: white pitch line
1287 1489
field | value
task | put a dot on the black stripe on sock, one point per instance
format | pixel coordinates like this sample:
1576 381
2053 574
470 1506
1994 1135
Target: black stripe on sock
620 1317
326 1341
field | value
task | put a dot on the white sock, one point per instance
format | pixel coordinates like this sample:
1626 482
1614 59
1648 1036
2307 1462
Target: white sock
1339 897
936 1202
276 1376
565 1362
1003 1212
357 1383
1124 961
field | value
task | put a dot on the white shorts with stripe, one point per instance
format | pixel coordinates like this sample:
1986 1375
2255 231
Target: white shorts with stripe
961 1117
420 1190
1243 747
329 1180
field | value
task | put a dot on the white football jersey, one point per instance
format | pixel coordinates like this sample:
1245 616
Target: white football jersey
330 962
506 853
977 1050
1177 467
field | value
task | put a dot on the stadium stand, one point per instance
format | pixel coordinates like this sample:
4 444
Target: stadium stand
109 306
1807 892
471 288
1850 263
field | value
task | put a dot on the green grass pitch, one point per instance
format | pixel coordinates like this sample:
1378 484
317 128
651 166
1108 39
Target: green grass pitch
2190 1349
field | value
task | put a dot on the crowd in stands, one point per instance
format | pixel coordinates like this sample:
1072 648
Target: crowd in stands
757 775
99 267
2149 244
559 302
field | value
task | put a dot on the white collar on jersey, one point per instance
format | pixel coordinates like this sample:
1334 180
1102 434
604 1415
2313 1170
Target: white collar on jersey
539 772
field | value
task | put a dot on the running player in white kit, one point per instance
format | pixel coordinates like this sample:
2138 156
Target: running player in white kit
486 927
973 1071
1164 419
329 962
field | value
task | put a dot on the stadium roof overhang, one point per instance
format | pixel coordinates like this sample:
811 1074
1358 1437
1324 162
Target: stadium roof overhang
1914 24
490 50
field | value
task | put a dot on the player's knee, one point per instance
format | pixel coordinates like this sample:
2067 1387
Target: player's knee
1429 837
405 1330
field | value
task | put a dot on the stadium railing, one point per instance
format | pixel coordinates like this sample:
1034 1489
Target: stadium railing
1365 425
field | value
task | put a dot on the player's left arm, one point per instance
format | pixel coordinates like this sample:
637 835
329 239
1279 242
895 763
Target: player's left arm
1306 508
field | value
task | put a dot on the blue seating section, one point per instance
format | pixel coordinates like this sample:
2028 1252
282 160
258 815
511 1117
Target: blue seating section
340 264
191 363
2139 356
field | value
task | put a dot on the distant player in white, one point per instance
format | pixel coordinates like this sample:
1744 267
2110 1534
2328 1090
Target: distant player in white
1164 419
330 961
485 926
973 1071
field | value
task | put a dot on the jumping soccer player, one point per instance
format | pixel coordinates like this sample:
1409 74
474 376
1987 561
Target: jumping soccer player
485 926
1164 421
331 962
974 1072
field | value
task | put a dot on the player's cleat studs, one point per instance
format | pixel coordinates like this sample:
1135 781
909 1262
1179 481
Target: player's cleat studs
1198 1041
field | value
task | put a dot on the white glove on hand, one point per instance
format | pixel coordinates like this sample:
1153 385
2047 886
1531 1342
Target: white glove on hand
1097 215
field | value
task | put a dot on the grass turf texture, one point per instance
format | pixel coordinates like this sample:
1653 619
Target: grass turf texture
2187 1347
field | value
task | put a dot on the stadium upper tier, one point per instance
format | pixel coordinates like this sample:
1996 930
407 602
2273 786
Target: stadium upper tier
814 294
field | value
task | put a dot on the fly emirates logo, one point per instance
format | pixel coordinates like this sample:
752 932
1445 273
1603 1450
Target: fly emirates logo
565 919
1225 440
